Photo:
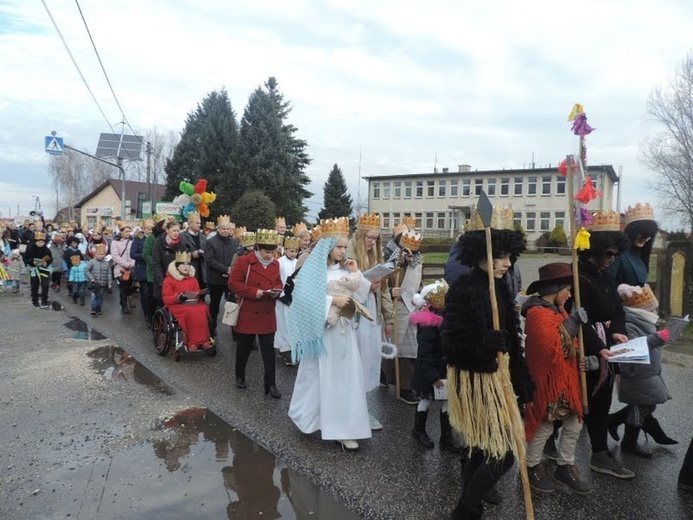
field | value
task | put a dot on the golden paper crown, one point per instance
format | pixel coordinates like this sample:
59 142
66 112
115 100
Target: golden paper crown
400 228
279 221
146 222
316 233
209 225
193 214
247 238
410 222
158 217
75 259
100 248
39 235
369 222
183 256
266 237
292 243
335 227
410 240
299 228
435 293
501 218
225 219
239 231
639 212
605 221
645 299
108 231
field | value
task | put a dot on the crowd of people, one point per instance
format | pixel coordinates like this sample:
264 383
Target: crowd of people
330 302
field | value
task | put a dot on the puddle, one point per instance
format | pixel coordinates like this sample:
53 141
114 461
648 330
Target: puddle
117 364
82 330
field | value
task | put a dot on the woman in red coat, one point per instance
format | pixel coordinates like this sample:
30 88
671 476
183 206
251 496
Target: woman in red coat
256 281
180 287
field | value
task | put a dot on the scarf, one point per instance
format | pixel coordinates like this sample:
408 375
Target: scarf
172 242
262 261
306 315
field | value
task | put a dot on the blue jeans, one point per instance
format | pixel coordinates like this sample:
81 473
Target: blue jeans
96 298
78 289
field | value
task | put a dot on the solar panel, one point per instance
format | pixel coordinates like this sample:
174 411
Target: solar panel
127 147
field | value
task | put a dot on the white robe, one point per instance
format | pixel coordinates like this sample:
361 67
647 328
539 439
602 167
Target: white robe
405 333
370 340
329 394
281 336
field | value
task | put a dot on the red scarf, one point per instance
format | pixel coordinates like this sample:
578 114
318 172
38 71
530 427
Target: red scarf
172 241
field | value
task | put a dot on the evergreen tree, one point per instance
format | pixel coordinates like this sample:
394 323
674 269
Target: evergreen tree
254 210
206 149
336 199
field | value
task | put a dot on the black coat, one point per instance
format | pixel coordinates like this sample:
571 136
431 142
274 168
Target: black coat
198 263
137 254
218 256
162 256
430 364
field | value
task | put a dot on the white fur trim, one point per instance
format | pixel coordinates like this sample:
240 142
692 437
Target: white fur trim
175 273
388 350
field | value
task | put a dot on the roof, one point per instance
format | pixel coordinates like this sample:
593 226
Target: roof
605 168
132 188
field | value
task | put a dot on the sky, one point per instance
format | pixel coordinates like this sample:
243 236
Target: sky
382 87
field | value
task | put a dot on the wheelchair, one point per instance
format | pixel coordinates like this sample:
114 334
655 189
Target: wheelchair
168 333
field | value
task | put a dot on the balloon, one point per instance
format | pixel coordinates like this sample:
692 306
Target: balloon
186 187
182 200
196 198
203 209
201 186
188 208
208 197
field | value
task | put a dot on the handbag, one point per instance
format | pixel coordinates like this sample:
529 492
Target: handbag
232 309
126 274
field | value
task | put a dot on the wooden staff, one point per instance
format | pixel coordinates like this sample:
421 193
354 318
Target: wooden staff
517 431
572 209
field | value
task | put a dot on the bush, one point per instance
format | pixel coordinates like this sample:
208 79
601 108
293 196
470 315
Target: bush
542 241
254 210
557 238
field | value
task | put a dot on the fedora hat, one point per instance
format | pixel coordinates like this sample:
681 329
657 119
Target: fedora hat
556 274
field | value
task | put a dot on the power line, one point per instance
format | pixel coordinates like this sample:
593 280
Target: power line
67 48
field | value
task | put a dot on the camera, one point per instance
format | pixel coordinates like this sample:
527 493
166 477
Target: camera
37 213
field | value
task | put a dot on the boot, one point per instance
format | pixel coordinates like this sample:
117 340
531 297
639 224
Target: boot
615 420
651 426
448 441
125 308
462 512
686 472
629 444
419 431
81 300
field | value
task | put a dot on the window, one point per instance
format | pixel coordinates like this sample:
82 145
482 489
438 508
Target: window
376 190
419 189
396 219
517 218
430 188
466 187
407 189
397 190
141 199
453 188
453 220
544 221
442 188
546 185
560 185
491 187
560 219
519 181
595 180
441 220
386 190
429 220
505 186
386 221
478 186
531 221
418 220
531 185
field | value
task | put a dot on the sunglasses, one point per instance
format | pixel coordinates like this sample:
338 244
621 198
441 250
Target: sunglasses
611 254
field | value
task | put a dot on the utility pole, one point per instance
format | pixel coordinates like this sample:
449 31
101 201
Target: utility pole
148 152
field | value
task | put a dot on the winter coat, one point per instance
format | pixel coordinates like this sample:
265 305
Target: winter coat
57 250
256 315
192 318
100 271
78 273
628 268
162 255
643 384
218 255
147 251
70 252
198 263
430 363
34 252
137 254
120 250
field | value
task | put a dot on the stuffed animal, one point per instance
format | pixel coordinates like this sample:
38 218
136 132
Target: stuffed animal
345 286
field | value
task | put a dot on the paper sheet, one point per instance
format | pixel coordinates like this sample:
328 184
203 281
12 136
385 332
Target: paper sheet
633 351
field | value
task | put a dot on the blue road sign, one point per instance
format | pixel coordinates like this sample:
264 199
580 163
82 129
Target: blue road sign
54 145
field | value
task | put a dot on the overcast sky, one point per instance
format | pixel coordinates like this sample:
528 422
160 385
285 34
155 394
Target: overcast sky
488 84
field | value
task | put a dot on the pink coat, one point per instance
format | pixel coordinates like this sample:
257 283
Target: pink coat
120 250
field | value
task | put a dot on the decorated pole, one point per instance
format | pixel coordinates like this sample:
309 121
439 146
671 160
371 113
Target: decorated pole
517 432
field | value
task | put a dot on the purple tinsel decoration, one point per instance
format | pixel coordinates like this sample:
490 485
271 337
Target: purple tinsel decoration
584 217
580 125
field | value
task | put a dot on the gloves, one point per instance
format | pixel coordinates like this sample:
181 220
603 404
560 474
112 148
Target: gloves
181 297
494 341
591 363
572 323
664 335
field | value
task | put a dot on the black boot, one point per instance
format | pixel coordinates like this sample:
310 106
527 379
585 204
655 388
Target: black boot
615 420
419 431
686 473
448 441
629 444
651 426
462 512
125 308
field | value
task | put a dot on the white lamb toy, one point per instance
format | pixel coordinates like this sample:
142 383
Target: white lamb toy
345 286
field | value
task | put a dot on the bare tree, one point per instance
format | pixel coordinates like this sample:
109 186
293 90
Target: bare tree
670 153
161 147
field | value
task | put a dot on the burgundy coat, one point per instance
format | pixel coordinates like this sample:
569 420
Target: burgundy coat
256 316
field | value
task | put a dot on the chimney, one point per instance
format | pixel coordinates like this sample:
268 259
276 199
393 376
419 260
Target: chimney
446 170
462 168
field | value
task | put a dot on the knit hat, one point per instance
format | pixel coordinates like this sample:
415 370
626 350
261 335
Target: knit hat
638 297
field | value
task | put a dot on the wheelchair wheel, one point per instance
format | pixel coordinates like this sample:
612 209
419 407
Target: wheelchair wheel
163 332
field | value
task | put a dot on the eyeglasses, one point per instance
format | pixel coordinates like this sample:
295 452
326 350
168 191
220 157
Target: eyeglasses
611 254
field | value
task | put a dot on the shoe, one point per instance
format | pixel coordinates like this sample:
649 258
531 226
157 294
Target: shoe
605 462
125 309
349 445
409 397
493 496
98 311
93 313
629 444
419 431
651 426
383 379
272 390
539 480
81 301
448 439
374 423
684 486
36 306
74 300
569 476
550 449
462 512
616 419
45 307
240 382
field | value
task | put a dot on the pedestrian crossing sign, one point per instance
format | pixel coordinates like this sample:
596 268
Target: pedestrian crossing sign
54 145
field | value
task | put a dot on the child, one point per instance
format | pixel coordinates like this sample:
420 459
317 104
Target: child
642 387
15 270
287 265
40 260
100 277
57 248
551 354
78 278
429 368
71 250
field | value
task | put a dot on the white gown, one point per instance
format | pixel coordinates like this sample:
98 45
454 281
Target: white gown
370 339
329 394
281 336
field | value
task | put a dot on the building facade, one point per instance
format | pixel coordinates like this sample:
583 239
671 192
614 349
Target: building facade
441 202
